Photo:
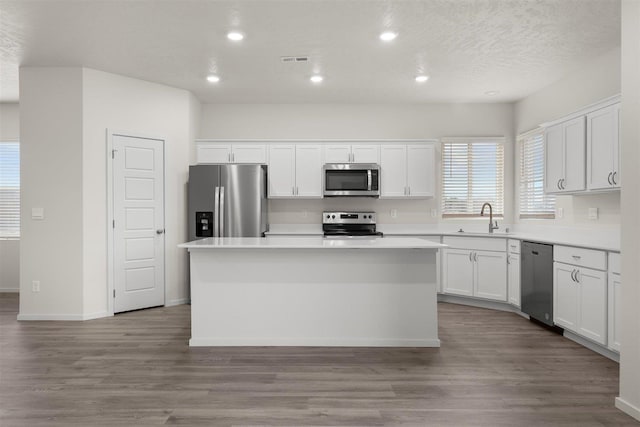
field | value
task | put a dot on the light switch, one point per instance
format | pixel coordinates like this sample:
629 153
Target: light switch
37 213
560 213
434 213
593 213
394 213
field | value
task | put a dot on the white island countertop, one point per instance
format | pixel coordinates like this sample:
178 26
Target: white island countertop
311 242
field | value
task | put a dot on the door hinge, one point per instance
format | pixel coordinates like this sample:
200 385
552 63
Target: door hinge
114 223
114 293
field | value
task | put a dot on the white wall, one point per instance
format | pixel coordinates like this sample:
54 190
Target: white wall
360 121
51 178
9 248
592 82
629 399
129 105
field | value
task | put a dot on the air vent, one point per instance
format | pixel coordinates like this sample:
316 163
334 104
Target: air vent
292 59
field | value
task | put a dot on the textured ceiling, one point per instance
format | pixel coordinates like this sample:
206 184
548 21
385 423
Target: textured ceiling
467 47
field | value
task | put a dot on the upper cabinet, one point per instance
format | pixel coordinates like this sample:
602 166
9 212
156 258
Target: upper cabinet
582 151
407 171
217 152
565 156
603 148
352 153
295 171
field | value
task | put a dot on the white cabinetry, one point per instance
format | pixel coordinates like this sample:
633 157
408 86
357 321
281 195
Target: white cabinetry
565 156
603 148
475 267
352 153
513 271
407 171
615 300
220 152
295 171
580 293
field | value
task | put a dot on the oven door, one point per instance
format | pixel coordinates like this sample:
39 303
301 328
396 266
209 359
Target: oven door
351 180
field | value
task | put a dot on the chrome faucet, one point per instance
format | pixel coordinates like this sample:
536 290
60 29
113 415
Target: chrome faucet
492 226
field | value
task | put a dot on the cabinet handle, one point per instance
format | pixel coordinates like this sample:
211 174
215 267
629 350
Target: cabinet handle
572 274
293 191
475 256
297 191
576 276
558 185
609 178
508 260
409 190
562 184
576 257
470 256
613 178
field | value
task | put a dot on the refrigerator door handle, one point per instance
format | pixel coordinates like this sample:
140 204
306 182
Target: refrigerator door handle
221 211
216 212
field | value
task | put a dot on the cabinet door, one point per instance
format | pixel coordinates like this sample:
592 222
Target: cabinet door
365 153
602 135
393 173
338 153
617 177
574 160
309 170
249 153
213 153
490 275
554 158
281 171
593 305
565 297
513 279
457 272
421 170
614 316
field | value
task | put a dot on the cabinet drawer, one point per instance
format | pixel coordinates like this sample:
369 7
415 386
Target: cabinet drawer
513 246
579 256
614 262
476 243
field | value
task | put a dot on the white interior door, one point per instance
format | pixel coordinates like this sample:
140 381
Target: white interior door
138 228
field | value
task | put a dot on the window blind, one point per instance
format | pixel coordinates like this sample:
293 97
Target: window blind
472 174
533 202
9 189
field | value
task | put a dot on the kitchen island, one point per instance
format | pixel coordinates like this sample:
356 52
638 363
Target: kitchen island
312 291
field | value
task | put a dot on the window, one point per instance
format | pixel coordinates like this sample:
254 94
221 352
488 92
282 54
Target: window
534 203
9 189
472 174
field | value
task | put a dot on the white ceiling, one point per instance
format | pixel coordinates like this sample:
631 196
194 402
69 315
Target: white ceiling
467 47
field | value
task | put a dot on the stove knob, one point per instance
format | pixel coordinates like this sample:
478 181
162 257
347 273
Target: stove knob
328 216
333 217
369 216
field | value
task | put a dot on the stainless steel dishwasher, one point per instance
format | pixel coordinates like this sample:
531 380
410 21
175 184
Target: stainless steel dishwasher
537 281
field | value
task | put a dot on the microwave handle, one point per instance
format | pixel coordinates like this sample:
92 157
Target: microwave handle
369 180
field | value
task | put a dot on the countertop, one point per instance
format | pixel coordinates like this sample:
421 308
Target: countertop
606 240
311 242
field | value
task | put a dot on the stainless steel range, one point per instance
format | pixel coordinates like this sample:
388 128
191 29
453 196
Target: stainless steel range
349 224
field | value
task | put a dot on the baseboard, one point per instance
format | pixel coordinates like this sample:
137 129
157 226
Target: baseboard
592 346
62 317
480 303
311 342
178 301
9 290
628 408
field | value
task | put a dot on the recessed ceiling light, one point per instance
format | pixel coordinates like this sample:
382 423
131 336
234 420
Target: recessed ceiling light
387 36
492 92
235 36
316 79
422 78
213 78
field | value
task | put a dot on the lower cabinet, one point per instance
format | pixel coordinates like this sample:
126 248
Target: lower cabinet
475 273
513 278
615 301
580 301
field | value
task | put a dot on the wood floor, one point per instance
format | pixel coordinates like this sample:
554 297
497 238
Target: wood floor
135 369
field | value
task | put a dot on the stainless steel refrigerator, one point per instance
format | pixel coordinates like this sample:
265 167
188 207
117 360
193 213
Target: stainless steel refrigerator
227 201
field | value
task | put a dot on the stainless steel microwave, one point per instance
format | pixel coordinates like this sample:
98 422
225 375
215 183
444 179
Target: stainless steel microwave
351 180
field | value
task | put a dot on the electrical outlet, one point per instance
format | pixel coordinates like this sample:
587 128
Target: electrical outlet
434 213
593 213
305 214
35 286
394 213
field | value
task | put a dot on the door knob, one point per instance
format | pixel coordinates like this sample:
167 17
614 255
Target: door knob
160 231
